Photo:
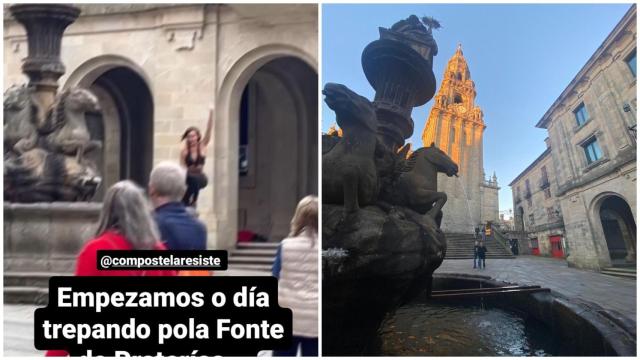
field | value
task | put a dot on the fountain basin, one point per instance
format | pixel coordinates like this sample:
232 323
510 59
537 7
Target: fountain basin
521 324
46 237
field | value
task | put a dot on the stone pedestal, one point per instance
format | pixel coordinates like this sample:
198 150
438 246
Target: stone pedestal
46 237
372 262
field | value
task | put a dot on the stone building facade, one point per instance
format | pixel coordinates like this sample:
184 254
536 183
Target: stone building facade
156 69
456 126
538 218
592 142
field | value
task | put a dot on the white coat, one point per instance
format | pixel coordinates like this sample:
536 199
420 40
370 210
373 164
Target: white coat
298 282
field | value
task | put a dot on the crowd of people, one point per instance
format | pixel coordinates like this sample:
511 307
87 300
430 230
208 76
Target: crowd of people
131 220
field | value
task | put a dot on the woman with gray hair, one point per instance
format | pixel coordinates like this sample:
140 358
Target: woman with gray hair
125 223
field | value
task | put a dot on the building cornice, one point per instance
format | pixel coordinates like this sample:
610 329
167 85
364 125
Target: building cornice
617 32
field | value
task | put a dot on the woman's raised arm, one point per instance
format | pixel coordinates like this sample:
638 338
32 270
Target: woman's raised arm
207 133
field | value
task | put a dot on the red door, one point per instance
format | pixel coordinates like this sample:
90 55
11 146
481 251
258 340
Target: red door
556 246
535 250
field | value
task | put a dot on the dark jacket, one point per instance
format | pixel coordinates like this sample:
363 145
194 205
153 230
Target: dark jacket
482 250
180 230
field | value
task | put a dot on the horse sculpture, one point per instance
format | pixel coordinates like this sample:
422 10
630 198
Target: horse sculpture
349 170
417 187
20 133
47 162
69 133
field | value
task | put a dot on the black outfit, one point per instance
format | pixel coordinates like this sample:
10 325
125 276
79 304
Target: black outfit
476 256
482 250
195 181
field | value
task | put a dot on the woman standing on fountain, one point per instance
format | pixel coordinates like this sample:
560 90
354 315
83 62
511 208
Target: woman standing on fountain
192 158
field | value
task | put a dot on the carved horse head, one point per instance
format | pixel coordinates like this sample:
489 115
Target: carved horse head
351 109
72 104
67 125
438 158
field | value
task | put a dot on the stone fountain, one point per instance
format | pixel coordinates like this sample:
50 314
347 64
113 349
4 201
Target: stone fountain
49 176
381 234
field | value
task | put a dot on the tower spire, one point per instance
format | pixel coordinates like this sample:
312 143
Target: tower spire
459 48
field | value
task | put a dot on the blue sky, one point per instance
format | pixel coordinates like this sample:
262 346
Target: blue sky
520 56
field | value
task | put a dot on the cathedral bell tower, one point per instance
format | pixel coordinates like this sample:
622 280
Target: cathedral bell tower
456 126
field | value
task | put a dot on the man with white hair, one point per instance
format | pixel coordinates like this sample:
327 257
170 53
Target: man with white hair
179 229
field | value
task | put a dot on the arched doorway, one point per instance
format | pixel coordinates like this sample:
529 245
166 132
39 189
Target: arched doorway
619 228
277 145
125 125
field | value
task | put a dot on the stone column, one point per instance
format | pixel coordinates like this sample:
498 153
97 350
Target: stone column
45 25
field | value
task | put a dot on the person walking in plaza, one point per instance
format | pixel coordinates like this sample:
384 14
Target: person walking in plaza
192 157
125 223
476 259
482 253
179 230
296 267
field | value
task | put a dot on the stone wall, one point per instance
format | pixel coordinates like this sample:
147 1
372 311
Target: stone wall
46 236
490 203
541 214
580 208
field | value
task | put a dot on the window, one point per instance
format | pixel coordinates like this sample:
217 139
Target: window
581 114
550 213
631 62
459 76
544 178
592 150
547 193
457 99
534 243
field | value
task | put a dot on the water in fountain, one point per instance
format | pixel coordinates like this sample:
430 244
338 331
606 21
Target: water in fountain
442 329
466 199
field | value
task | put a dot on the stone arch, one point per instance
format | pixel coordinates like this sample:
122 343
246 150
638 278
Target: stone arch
226 141
87 73
126 123
614 227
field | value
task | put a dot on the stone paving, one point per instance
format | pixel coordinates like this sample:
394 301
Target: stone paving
610 292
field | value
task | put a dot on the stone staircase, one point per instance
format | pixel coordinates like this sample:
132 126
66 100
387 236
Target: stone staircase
30 287
252 258
27 287
624 271
460 246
